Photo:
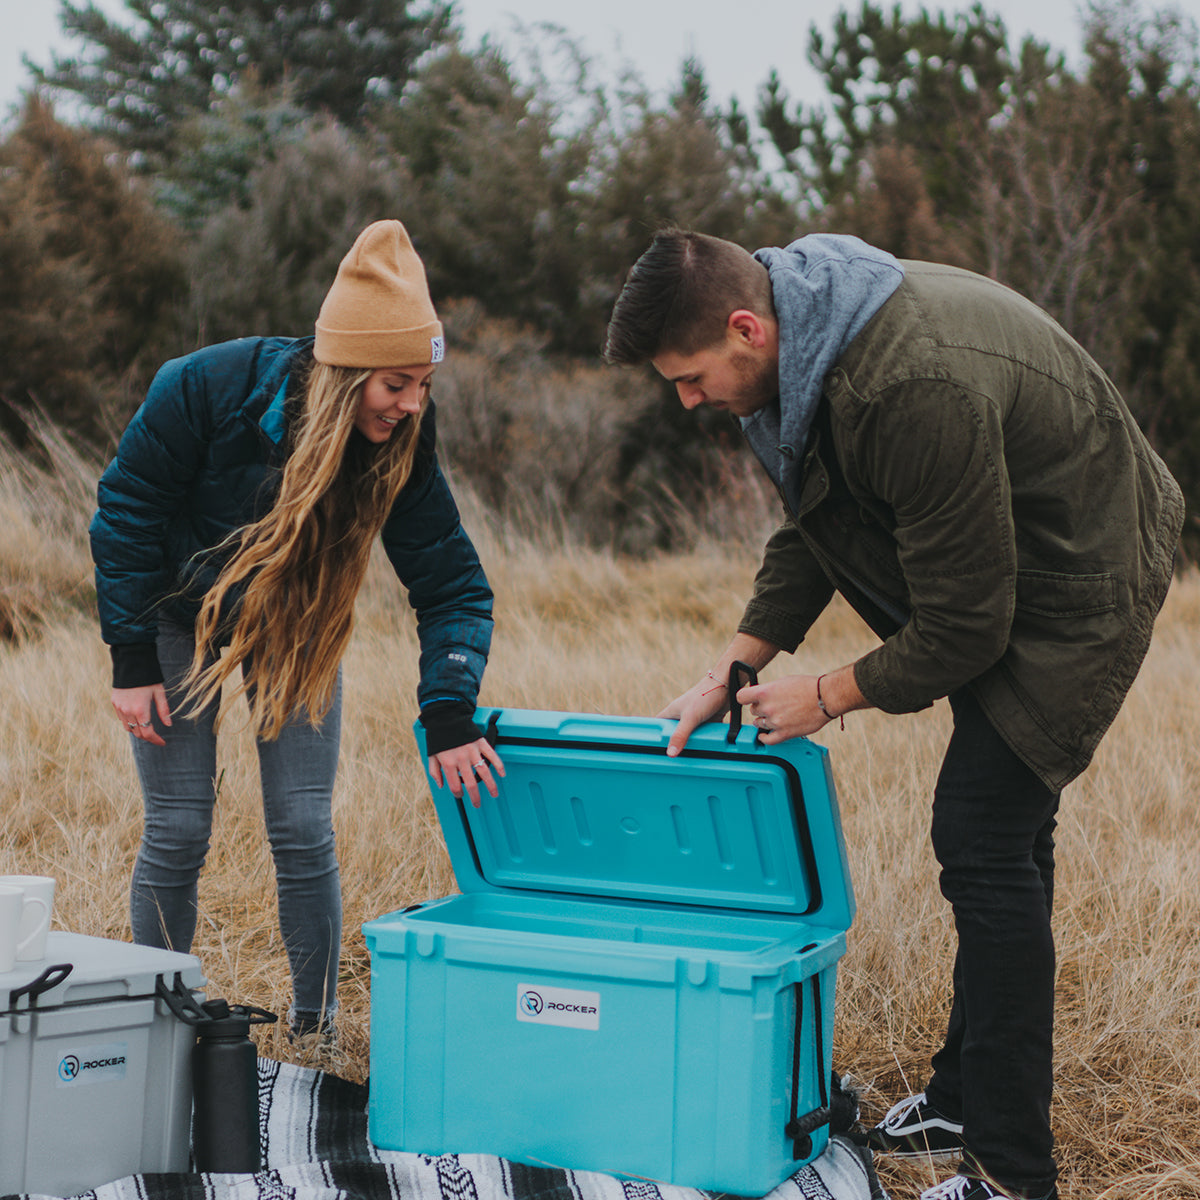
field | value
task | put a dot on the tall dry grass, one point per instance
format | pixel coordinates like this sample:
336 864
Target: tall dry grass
583 630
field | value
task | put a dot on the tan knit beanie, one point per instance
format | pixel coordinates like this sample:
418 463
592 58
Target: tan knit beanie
378 312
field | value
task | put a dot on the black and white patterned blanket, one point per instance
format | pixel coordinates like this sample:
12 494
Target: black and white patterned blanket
315 1147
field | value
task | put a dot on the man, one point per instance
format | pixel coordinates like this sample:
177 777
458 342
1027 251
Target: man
955 465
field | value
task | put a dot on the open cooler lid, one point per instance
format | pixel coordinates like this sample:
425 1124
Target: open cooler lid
78 969
592 806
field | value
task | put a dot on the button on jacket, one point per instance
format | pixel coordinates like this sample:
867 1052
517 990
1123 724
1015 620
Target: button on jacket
204 456
978 490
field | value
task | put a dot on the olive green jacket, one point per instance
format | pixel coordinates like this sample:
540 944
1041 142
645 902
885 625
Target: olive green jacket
977 489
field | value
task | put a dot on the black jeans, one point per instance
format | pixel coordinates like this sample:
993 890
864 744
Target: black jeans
993 834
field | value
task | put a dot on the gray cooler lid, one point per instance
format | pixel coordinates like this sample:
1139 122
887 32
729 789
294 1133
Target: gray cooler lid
100 969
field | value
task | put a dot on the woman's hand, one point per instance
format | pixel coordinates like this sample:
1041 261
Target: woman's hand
465 767
136 707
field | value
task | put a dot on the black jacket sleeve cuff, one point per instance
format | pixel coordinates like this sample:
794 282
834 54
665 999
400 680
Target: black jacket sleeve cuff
135 665
447 724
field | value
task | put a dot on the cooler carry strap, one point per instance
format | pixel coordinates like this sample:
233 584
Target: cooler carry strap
736 671
799 1128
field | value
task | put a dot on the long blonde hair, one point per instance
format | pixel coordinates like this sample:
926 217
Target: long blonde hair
302 564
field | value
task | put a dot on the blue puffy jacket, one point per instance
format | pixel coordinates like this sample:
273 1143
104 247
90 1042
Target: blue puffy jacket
203 456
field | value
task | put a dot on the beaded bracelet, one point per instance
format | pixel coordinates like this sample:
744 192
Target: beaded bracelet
821 705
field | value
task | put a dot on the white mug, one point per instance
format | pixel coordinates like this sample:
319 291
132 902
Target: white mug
34 924
13 905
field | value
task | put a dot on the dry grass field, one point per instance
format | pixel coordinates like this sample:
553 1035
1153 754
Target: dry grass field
582 630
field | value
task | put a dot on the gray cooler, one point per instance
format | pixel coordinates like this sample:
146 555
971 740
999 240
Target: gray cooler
95 1071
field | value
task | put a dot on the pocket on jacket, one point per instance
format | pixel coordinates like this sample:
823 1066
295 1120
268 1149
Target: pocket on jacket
1054 594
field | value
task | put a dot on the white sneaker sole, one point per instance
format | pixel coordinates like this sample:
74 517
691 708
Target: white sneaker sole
932 1156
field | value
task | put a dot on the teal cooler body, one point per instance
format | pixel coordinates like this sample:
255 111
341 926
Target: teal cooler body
638 977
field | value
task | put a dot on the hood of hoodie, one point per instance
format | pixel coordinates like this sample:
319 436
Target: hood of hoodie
826 288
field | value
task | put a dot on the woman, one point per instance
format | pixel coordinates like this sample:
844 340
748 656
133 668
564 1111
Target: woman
239 513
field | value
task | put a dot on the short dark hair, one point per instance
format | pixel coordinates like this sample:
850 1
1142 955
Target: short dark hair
679 294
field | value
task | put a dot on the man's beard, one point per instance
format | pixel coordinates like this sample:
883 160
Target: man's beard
757 385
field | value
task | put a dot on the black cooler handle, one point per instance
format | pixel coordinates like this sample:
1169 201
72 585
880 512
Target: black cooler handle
801 1125
492 733
51 977
181 1000
736 671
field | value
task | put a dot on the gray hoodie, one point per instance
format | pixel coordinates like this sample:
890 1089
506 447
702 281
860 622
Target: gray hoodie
826 288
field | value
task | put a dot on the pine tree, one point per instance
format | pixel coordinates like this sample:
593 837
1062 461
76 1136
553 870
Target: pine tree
140 82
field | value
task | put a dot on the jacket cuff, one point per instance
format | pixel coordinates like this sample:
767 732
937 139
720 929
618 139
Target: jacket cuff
448 724
768 623
135 665
877 691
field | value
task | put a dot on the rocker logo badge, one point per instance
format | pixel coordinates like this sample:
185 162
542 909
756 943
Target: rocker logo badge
92 1064
544 1005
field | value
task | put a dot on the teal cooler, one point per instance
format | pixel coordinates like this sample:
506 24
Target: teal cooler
638 975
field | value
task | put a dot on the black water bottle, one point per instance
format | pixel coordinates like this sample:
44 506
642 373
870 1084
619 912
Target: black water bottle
225 1089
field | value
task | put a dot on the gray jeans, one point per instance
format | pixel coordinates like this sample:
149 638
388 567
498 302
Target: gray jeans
179 790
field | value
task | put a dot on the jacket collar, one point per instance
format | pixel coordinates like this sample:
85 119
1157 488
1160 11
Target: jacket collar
273 422
275 383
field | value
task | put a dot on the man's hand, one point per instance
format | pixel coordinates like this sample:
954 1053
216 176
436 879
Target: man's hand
136 707
464 767
789 707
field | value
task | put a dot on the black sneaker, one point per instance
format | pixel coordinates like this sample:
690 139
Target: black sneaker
314 1042
959 1187
915 1129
